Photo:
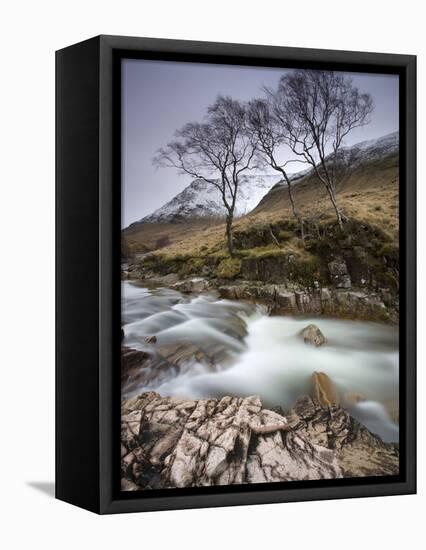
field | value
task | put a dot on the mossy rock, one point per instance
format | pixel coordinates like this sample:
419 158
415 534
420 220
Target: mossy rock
191 266
264 234
259 252
229 268
306 270
284 236
388 279
390 251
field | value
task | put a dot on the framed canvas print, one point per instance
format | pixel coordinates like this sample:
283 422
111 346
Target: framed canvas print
235 274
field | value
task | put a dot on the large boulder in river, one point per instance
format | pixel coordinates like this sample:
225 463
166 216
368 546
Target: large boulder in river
312 335
324 390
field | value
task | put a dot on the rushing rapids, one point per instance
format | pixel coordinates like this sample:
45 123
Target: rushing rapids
226 347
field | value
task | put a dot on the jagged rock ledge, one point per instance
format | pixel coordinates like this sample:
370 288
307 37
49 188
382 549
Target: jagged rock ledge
327 301
172 442
280 299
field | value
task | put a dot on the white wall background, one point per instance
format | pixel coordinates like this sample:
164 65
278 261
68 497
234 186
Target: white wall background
30 32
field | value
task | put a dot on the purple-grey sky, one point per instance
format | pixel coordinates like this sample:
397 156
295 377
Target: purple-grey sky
158 97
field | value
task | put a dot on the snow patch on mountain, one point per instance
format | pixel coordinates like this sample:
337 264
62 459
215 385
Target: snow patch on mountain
358 154
202 199
372 149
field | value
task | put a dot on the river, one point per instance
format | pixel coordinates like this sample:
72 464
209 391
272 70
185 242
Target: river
265 355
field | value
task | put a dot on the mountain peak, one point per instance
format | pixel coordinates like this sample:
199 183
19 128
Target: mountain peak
202 200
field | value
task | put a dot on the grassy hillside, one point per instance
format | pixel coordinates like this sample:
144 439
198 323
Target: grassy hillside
140 238
368 195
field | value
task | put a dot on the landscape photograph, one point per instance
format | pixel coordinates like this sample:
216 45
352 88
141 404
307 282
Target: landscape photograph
259 275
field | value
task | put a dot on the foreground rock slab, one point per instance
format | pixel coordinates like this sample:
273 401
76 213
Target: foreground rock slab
171 442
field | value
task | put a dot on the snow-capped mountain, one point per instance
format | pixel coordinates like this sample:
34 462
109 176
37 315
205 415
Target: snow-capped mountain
360 153
201 200
373 149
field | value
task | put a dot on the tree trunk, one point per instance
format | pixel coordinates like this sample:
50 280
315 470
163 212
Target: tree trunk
295 211
276 241
336 207
229 236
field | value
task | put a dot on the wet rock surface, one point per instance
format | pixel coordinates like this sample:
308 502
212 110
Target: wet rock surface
313 336
191 285
143 369
173 442
336 302
131 362
358 451
343 296
324 390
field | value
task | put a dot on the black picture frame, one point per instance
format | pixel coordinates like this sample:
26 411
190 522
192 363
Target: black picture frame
88 276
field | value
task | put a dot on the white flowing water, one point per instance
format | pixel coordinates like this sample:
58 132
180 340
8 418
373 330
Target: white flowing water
268 358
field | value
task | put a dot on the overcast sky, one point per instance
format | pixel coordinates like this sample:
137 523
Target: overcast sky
158 97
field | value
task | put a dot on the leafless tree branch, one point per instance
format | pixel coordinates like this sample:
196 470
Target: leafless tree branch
218 151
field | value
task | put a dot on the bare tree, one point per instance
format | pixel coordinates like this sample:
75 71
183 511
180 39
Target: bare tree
317 110
217 151
271 138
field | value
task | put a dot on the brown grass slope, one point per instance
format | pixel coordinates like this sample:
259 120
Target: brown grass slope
140 238
368 195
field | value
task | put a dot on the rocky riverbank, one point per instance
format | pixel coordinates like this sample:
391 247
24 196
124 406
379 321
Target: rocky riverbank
280 299
347 275
173 442
188 342
355 303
